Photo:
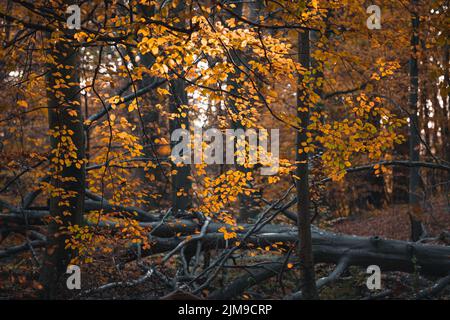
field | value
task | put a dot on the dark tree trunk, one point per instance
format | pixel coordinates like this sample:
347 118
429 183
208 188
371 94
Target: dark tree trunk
153 178
400 175
446 114
181 184
367 187
237 56
414 142
64 113
307 273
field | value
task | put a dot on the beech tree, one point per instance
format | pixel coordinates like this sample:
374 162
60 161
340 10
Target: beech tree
89 115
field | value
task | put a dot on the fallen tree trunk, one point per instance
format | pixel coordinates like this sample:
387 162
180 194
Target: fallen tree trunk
328 247
18 215
389 255
342 250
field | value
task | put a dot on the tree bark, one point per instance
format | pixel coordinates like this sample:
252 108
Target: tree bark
414 142
64 113
154 178
389 255
307 273
400 175
237 58
181 184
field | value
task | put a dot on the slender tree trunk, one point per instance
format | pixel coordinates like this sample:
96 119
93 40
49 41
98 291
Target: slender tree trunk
181 184
307 272
68 178
246 205
368 188
414 142
426 114
400 175
446 113
152 122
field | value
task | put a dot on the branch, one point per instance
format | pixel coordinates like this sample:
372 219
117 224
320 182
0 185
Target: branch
35 216
21 248
344 92
127 98
246 281
187 241
142 215
434 289
260 25
337 272
404 163
112 285
10 182
29 25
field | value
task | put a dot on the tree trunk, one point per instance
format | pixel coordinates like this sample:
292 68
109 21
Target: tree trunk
181 184
400 175
65 119
389 255
446 113
307 273
154 178
414 142
368 189
328 247
237 58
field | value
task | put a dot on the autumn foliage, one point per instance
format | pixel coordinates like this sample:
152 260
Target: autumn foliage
86 173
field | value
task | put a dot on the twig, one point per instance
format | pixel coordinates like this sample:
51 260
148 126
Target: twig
20 248
434 289
337 272
119 284
187 241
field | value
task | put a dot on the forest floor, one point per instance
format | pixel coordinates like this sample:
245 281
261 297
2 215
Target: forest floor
18 276
392 222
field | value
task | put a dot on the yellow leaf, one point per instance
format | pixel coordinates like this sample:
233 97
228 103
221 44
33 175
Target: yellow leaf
22 103
73 113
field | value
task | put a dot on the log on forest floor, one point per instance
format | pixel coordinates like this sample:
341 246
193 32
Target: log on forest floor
342 250
389 255
328 247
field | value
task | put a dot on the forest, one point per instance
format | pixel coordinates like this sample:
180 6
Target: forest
224 150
